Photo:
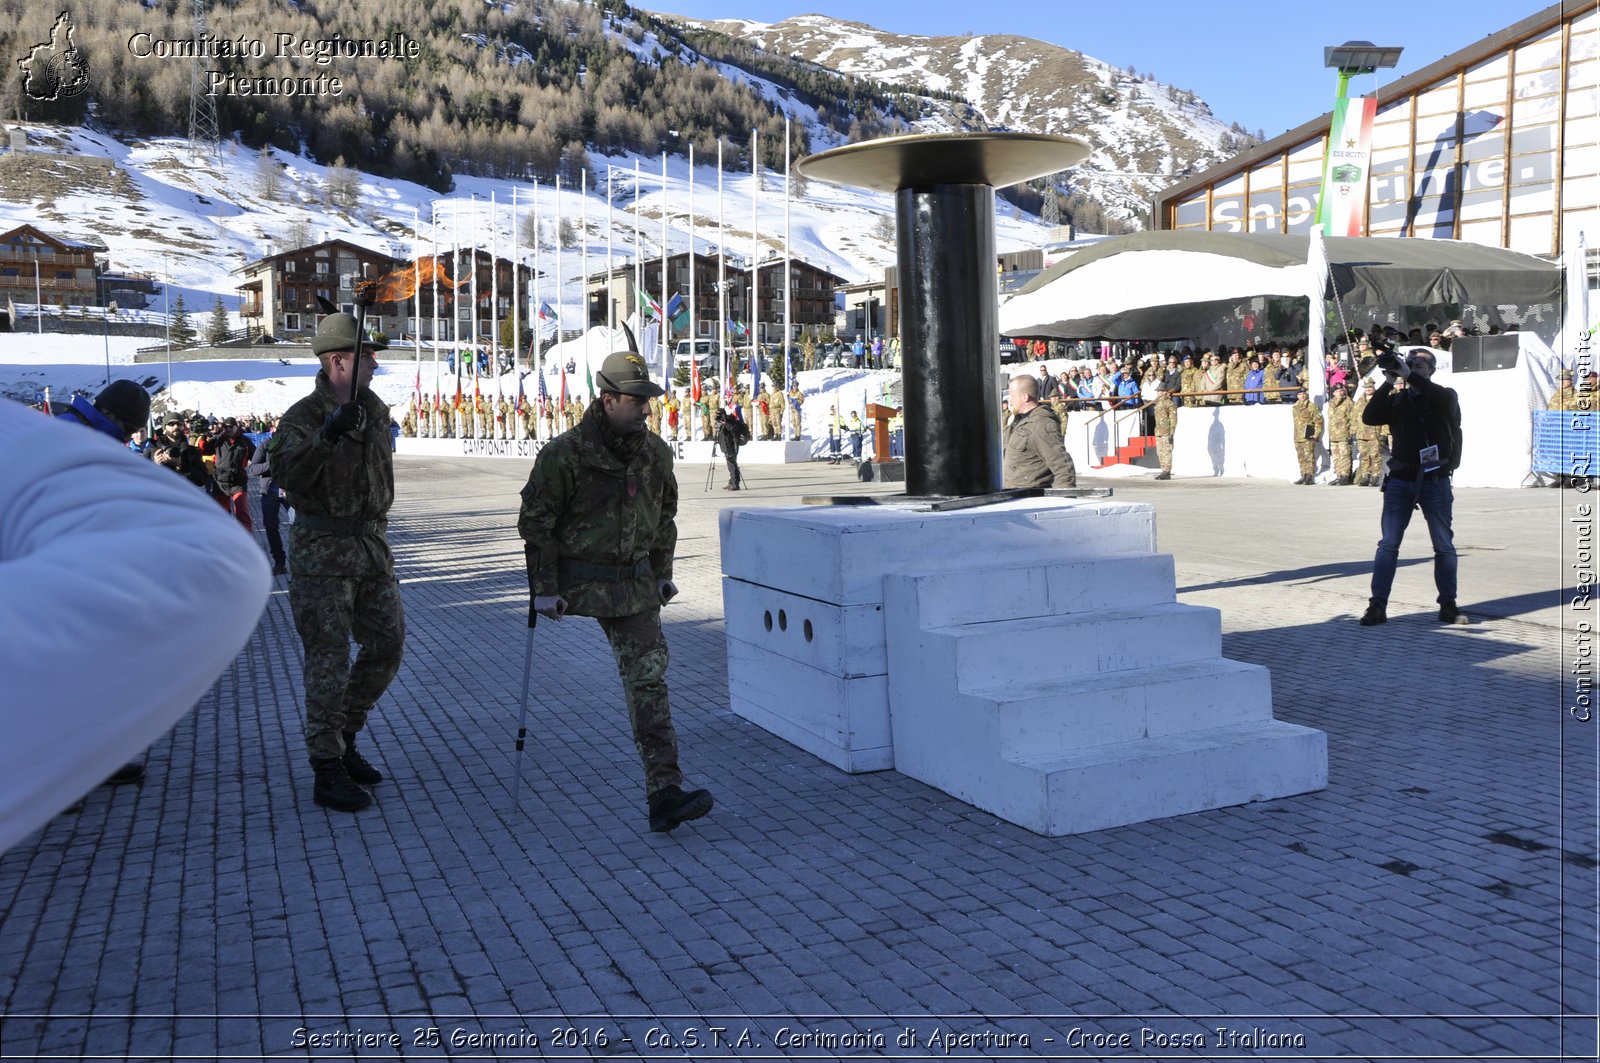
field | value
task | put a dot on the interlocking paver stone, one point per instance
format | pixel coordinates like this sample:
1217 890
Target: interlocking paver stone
1448 869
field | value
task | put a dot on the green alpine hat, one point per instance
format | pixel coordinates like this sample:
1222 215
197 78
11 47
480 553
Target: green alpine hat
625 372
337 332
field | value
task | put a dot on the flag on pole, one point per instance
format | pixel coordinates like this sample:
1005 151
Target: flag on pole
678 311
649 304
1343 202
694 379
547 319
563 386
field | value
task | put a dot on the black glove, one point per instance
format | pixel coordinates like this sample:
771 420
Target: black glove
1391 363
347 418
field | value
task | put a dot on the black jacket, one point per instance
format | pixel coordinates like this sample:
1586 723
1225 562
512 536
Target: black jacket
1424 414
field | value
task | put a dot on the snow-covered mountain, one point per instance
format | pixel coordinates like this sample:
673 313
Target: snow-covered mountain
1145 134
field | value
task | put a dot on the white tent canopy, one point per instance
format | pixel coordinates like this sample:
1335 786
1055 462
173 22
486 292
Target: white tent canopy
1224 287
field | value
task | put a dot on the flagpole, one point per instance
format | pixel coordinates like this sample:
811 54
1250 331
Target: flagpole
416 302
692 334
661 322
494 306
638 275
788 297
433 239
560 292
722 277
516 313
611 302
474 281
583 265
755 251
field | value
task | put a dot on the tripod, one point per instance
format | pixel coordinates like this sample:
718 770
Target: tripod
711 466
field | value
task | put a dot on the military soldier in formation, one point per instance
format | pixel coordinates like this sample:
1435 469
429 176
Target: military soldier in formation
653 419
796 400
1166 427
1369 442
1307 434
595 549
331 455
1342 421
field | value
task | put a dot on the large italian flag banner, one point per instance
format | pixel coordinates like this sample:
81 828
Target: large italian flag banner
1344 170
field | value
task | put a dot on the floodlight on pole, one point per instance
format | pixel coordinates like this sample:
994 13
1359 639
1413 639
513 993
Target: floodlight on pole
1358 57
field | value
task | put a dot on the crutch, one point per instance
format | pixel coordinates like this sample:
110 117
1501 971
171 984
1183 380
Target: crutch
527 678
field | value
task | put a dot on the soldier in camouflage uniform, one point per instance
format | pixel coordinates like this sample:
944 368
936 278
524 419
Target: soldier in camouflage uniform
1369 442
1307 434
653 418
598 517
1565 398
1341 426
331 456
1190 381
797 399
1166 427
1237 370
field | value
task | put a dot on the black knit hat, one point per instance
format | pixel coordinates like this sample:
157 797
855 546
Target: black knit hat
126 403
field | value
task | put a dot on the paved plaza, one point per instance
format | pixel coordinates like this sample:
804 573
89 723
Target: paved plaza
1436 901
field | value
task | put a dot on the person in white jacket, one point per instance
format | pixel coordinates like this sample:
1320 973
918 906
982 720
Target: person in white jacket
112 571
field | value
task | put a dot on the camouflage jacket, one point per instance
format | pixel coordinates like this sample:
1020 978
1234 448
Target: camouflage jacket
349 481
1565 398
1366 433
602 500
1307 416
1341 420
1166 417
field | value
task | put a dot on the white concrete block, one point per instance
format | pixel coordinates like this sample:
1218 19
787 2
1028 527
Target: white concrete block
974 595
1082 644
840 554
1042 714
844 721
843 640
1189 772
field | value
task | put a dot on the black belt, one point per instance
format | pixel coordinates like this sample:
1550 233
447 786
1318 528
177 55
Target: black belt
571 569
335 526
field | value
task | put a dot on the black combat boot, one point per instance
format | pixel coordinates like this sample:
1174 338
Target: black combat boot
671 806
335 789
1164 476
1449 614
358 767
1376 613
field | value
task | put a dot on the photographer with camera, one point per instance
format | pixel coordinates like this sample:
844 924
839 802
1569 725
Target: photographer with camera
1424 420
731 434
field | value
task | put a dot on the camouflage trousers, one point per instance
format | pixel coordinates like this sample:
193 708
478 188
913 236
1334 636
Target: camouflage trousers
1164 452
1306 451
328 612
1341 460
640 648
1370 465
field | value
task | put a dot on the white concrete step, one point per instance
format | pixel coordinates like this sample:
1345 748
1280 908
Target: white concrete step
1089 789
1044 587
1039 715
1078 644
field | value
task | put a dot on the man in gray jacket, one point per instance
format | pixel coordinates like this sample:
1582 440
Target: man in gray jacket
1035 455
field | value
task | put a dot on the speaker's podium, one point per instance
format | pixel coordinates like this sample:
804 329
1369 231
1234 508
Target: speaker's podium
882 467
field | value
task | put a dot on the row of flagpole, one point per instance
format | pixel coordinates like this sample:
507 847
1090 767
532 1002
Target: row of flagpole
548 321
